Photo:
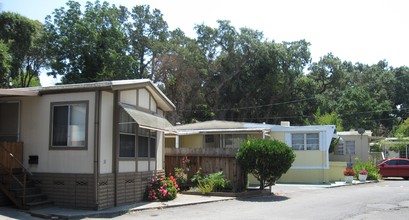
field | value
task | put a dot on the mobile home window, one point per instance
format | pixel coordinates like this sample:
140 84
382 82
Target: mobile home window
146 143
350 147
9 118
305 141
69 124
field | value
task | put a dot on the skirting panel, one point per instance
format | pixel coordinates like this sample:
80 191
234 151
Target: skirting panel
78 190
131 186
68 190
106 191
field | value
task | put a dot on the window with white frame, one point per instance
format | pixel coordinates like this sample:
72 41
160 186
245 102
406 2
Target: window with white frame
133 141
305 141
345 148
234 140
146 143
69 124
350 147
339 149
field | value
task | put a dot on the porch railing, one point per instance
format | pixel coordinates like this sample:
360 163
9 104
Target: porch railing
11 169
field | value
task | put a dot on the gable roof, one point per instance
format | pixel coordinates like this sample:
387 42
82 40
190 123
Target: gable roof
163 102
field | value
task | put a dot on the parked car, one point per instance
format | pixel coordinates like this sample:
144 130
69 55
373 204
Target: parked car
395 167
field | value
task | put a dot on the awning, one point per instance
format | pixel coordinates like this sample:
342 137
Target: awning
148 121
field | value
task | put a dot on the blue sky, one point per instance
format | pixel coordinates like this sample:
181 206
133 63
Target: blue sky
363 31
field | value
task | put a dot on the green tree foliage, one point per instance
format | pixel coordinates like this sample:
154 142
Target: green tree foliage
5 60
148 35
179 70
326 119
403 129
225 73
23 38
91 45
266 159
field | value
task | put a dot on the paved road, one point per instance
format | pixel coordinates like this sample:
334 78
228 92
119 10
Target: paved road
387 199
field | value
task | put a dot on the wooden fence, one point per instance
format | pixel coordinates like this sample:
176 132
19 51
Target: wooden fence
210 160
16 149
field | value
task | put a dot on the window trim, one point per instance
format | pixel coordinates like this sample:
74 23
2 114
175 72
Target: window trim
52 104
305 141
344 148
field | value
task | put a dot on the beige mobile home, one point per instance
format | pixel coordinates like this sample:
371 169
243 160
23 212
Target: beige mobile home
222 139
91 145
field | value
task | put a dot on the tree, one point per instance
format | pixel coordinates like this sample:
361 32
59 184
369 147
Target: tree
266 159
90 46
178 70
326 119
22 37
148 35
5 60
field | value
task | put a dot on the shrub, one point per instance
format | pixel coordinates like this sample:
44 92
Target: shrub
161 189
266 159
369 166
181 173
212 182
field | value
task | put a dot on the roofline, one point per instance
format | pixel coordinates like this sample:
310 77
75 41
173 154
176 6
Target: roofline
18 92
218 131
166 104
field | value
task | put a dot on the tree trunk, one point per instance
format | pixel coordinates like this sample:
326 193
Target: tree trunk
261 184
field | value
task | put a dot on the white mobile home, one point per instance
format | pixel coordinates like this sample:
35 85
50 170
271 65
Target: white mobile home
91 145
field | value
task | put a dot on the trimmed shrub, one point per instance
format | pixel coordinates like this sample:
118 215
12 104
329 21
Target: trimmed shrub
266 159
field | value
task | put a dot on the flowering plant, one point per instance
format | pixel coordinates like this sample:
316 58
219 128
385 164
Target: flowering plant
181 173
349 172
161 189
363 172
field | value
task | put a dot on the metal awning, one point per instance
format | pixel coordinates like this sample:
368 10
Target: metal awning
148 121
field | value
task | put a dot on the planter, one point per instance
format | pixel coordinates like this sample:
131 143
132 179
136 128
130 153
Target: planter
348 179
362 177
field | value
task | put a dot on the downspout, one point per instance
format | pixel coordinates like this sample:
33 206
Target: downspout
115 152
96 144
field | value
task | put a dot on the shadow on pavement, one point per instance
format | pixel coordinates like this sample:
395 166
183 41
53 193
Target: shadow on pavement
264 198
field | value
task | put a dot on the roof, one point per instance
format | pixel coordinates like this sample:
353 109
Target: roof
216 126
163 101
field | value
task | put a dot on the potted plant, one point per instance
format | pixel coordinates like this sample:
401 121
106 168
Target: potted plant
349 174
363 174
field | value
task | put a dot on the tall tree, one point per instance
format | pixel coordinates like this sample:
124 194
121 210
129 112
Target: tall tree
148 33
90 46
178 70
5 60
21 35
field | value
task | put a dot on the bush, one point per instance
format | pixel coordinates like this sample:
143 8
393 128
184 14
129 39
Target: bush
213 182
181 173
161 189
369 166
266 159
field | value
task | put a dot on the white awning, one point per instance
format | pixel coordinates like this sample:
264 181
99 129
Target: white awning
148 121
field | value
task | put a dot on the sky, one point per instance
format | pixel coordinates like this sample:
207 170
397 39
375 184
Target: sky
364 31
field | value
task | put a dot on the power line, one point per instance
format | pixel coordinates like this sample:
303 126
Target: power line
250 107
